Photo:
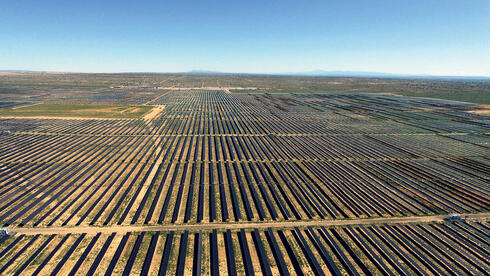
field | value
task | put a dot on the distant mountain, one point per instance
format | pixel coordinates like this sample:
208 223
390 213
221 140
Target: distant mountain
364 74
17 71
206 72
324 73
318 73
314 73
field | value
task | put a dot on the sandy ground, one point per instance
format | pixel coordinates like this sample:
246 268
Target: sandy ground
154 112
221 226
484 110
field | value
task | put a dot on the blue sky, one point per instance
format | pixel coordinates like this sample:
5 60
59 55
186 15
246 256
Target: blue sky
408 37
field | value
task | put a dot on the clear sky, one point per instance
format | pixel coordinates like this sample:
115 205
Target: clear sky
445 37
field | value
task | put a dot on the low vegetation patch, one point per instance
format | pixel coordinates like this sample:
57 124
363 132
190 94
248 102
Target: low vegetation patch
77 110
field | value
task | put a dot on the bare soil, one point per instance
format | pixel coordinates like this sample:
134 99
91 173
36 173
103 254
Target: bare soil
154 112
240 225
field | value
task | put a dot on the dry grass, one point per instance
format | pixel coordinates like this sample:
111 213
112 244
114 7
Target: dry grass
65 110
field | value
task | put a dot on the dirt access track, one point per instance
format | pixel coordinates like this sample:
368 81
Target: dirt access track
221 226
153 113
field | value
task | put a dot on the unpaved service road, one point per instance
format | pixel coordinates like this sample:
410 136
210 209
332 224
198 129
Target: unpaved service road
211 226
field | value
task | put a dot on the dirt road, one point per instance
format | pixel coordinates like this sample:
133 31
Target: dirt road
154 99
211 226
153 113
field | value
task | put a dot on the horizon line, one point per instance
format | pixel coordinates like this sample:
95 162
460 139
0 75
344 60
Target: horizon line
313 73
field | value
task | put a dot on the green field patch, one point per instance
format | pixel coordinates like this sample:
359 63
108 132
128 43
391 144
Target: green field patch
78 110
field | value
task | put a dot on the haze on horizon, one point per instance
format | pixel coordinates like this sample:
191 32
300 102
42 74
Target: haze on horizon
400 37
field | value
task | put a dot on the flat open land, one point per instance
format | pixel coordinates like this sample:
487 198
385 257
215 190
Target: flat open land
204 181
46 110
